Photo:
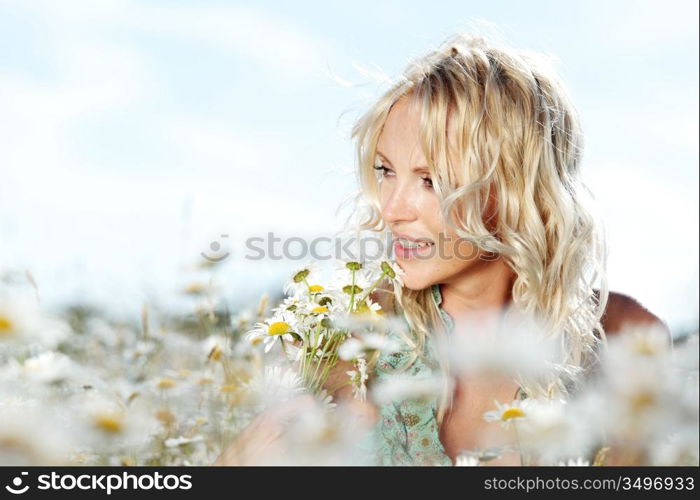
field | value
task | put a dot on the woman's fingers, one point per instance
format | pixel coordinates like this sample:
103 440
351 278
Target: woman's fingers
263 440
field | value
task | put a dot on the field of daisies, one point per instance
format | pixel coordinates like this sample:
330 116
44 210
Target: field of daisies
79 387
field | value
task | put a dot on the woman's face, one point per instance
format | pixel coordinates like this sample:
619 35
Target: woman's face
425 248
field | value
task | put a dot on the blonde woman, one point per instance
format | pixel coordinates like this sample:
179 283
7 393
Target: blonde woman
472 161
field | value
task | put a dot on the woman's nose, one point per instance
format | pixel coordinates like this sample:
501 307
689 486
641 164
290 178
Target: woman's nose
399 205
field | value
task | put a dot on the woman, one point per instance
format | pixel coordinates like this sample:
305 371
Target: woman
472 162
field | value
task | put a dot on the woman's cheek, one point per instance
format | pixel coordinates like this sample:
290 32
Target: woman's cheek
463 251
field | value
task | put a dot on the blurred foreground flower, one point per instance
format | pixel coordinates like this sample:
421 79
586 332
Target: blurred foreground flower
83 388
641 408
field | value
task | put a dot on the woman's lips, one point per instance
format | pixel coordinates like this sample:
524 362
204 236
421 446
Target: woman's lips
403 252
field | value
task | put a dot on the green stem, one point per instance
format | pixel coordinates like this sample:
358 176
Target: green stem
331 360
327 368
352 292
313 378
374 285
308 288
315 343
302 359
284 348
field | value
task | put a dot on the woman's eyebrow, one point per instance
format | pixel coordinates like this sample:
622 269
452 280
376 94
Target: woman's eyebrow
414 169
384 157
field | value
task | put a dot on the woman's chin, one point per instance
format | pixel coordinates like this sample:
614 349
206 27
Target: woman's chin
415 277
415 282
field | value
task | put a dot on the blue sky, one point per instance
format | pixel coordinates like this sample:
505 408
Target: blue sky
133 134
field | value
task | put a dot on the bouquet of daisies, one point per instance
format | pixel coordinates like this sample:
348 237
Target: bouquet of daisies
317 324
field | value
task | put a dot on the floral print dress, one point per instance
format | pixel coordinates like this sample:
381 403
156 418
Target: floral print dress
407 432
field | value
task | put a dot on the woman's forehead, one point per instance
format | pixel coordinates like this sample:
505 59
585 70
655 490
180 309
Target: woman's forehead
400 137
403 120
400 140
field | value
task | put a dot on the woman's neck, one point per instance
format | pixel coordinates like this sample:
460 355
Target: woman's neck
480 293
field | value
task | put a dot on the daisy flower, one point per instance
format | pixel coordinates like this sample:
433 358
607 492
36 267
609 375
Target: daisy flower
466 461
350 349
391 270
325 400
553 431
311 313
358 379
367 307
320 309
22 321
468 458
290 304
506 414
352 279
52 367
518 346
358 347
280 326
343 269
23 445
358 281
272 386
301 279
355 299
402 387
182 441
579 462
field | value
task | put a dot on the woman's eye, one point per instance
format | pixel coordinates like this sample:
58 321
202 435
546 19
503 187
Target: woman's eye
427 181
385 171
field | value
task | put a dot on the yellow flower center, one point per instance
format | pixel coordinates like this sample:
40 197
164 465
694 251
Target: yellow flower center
166 383
5 325
256 340
166 417
319 310
315 288
109 423
195 288
642 401
215 353
362 309
512 413
644 348
278 328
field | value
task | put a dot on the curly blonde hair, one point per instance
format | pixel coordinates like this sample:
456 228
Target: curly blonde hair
498 122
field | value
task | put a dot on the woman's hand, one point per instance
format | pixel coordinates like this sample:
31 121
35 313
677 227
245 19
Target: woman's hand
364 412
263 441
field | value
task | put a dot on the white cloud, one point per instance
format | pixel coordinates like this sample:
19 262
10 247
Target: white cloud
285 53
